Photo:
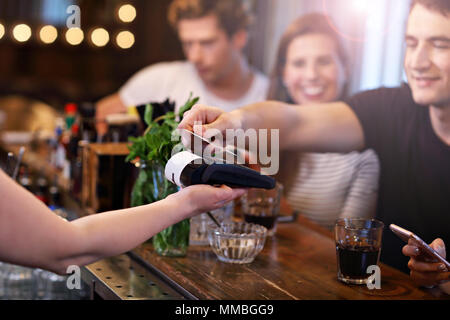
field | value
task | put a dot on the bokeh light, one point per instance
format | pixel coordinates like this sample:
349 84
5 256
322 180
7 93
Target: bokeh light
2 31
48 34
100 37
22 32
74 36
125 39
127 13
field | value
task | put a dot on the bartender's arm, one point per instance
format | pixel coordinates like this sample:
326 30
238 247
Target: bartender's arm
32 235
109 105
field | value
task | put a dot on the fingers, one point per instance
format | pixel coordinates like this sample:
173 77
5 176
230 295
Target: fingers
421 266
204 198
220 125
426 273
199 113
226 194
439 246
429 279
411 251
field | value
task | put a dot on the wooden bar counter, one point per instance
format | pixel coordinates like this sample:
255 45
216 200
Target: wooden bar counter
298 263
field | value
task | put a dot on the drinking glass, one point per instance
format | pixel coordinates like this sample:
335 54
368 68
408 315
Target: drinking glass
358 246
261 206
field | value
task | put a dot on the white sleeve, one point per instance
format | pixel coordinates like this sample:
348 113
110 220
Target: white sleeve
144 85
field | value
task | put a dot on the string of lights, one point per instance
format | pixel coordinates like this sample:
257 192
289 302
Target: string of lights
98 36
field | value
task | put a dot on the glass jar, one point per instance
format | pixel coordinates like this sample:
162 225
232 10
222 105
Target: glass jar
151 186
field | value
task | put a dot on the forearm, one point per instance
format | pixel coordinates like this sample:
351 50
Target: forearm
270 115
113 233
109 105
330 127
32 235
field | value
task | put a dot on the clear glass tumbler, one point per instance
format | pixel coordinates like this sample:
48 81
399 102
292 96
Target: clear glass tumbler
358 246
261 206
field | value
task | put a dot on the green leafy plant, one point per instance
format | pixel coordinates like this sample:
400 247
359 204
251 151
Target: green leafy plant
160 138
153 149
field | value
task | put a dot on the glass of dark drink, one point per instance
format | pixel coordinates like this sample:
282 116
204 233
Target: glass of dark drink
358 246
261 206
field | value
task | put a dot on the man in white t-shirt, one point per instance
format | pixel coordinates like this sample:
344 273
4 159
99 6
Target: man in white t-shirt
213 34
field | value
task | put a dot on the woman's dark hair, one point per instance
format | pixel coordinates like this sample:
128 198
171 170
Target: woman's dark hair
314 23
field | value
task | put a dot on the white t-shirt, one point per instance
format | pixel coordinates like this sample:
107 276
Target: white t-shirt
176 80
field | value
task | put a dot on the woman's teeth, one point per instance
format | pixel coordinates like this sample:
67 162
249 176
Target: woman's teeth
313 91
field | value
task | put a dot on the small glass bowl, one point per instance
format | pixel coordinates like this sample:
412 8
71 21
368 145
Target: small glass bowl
237 242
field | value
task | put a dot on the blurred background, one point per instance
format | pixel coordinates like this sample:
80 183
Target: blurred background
39 59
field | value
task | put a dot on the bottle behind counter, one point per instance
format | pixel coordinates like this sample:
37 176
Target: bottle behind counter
25 179
87 121
70 113
41 189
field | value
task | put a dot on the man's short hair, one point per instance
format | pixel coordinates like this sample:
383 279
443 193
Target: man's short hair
233 15
440 6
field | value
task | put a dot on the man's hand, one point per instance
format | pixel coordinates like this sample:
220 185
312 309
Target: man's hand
203 198
109 105
424 272
210 118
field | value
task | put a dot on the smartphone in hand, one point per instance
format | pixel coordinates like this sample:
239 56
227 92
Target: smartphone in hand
424 248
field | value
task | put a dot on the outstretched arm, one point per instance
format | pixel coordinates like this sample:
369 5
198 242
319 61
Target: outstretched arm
32 235
331 127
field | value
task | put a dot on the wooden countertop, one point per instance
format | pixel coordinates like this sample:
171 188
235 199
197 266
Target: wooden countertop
298 263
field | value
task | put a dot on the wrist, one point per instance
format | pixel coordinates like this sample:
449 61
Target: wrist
180 205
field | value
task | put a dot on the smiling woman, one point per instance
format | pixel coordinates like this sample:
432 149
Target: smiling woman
311 68
310 52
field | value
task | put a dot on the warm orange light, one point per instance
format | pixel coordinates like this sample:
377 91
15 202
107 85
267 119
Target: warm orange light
100 37
22 32
48 34
127 13
74 36
125 39
2 31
